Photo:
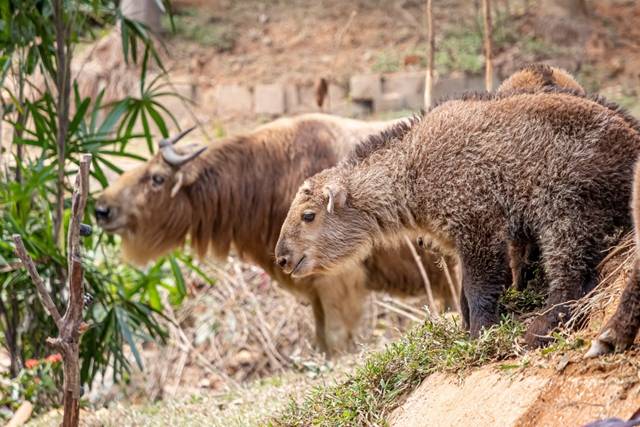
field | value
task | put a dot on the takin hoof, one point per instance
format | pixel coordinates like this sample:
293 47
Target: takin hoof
608 342
537 334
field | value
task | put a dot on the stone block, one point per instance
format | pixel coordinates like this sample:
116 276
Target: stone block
447 87
291 98
232 99
363 87
269 99
307 99
391 101
409 85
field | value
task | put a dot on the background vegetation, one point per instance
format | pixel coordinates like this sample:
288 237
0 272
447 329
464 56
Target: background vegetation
40 153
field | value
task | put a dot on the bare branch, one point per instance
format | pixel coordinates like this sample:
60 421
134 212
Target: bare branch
452 287
488 48
37 280
428 86
425 277
73 316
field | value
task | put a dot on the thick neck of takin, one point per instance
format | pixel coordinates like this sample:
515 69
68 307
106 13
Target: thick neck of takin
387 189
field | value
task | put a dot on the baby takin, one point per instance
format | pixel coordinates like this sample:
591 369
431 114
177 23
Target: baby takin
471 174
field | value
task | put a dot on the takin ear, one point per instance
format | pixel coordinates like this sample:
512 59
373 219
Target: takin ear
184 177
336 194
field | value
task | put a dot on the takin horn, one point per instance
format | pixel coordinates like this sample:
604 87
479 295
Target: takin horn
171 156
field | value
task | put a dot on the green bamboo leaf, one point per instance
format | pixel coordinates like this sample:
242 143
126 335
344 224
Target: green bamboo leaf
126 333
177 274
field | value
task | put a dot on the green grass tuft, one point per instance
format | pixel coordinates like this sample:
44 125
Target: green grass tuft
204 29
520 302
373 391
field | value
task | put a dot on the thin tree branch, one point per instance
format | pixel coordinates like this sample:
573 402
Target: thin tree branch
63 86
452 287
425 277
428 83
37 280
488 48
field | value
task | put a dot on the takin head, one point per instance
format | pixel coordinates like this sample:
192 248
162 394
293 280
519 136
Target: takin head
323 231
147 206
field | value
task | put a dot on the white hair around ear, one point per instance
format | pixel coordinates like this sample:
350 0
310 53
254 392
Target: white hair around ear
178 184
330 202
337 196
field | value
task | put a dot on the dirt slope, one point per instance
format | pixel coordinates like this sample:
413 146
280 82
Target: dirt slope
562 391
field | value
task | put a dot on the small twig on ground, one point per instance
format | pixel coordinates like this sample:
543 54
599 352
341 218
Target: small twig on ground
409 308
452 287
278 360
399 311
427 283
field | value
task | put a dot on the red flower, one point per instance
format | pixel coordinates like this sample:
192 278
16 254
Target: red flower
31 363
54 358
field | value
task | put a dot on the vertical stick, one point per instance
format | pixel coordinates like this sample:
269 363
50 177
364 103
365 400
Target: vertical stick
425 277
453 288
63 86
488 73
70 326
428 81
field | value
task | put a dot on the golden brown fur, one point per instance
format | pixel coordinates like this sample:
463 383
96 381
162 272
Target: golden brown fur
236 195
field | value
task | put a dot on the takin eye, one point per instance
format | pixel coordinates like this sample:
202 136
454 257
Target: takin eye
308 216
157 179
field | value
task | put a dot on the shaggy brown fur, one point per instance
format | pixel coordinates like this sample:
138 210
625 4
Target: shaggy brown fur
621 330
237 194
539 76
524 253
471 174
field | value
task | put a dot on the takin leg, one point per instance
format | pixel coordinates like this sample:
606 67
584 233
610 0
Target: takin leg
570 256
485 275
621 330
343 297
523 258
318 317
464 308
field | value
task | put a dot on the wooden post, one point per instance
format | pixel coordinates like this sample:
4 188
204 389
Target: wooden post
428 81
70 326
488 72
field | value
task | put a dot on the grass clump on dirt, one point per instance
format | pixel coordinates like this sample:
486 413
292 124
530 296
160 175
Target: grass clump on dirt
374 390
520 302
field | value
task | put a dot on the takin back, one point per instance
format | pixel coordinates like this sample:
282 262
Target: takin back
472 174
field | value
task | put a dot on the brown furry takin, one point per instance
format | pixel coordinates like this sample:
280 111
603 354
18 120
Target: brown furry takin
236 193
470 174
621 330
535 77
524 253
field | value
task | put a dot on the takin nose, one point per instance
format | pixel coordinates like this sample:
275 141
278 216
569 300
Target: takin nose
283 256
283 261
102 213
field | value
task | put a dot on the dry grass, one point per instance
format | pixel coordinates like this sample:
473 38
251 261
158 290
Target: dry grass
599 304
242 329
